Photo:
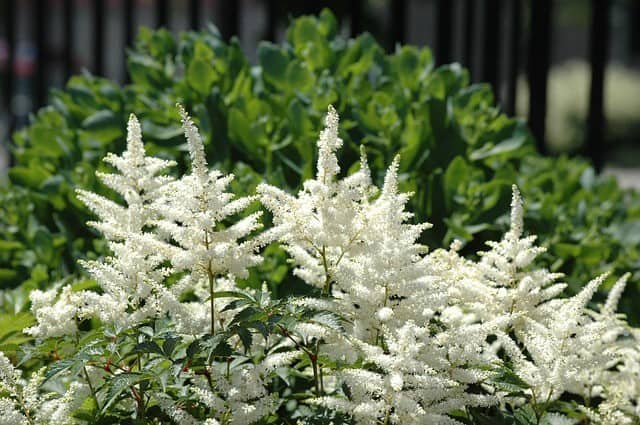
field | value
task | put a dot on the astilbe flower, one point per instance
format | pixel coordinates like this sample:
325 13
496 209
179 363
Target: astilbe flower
556 345
209 251
417 330
194 213
559 347
353 245
167 228
604 352
324 223
620 386
190 220
56 314
131 278
618 382
354 242
504 281
23 404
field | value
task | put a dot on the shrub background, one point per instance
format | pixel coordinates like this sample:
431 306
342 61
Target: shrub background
460 154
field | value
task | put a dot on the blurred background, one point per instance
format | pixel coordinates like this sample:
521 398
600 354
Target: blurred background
570 67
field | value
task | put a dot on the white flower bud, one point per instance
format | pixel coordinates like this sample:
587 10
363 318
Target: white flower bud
385 314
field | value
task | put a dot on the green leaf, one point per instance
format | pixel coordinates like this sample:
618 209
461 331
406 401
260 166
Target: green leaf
232 294
193 349
11 331
201 73
525 416
457 174
148 347
298 77
7 275
627 233
118 384
248 314
330 320
63 365
161 132
507 380
217 345
100 120
28 177
84 284
508 145
245 337
169 345
10 245
274 64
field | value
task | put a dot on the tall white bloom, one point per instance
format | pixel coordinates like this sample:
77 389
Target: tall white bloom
131 278
324 223
504 281
195 214
555 344
137 183
353 241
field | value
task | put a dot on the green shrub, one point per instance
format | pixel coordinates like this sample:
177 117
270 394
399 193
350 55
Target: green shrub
460 154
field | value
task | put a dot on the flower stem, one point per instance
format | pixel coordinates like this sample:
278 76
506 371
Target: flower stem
326 290
316 380
84 369
212 300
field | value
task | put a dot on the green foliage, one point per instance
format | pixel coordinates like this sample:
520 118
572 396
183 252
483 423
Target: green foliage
460 154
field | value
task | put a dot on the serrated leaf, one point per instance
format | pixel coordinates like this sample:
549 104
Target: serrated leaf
61 366
117 385
148 347
232 294
245 336
193 349
248 314
169 345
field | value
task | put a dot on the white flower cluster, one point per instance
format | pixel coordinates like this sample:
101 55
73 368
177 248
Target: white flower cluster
353 240
422 334
22 403
167 228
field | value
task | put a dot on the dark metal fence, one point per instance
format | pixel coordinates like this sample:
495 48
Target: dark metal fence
462 27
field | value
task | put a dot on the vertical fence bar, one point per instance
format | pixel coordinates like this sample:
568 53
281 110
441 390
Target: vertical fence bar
444 24
129 33
514 53
538 68
398 22
162 13
98 36
194 14
272 20
9 24
634 16
40 86
491 51
469 33
129 15
229 18
598 46
355 12
67 11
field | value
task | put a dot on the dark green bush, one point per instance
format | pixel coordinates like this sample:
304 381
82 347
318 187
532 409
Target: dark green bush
460 153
